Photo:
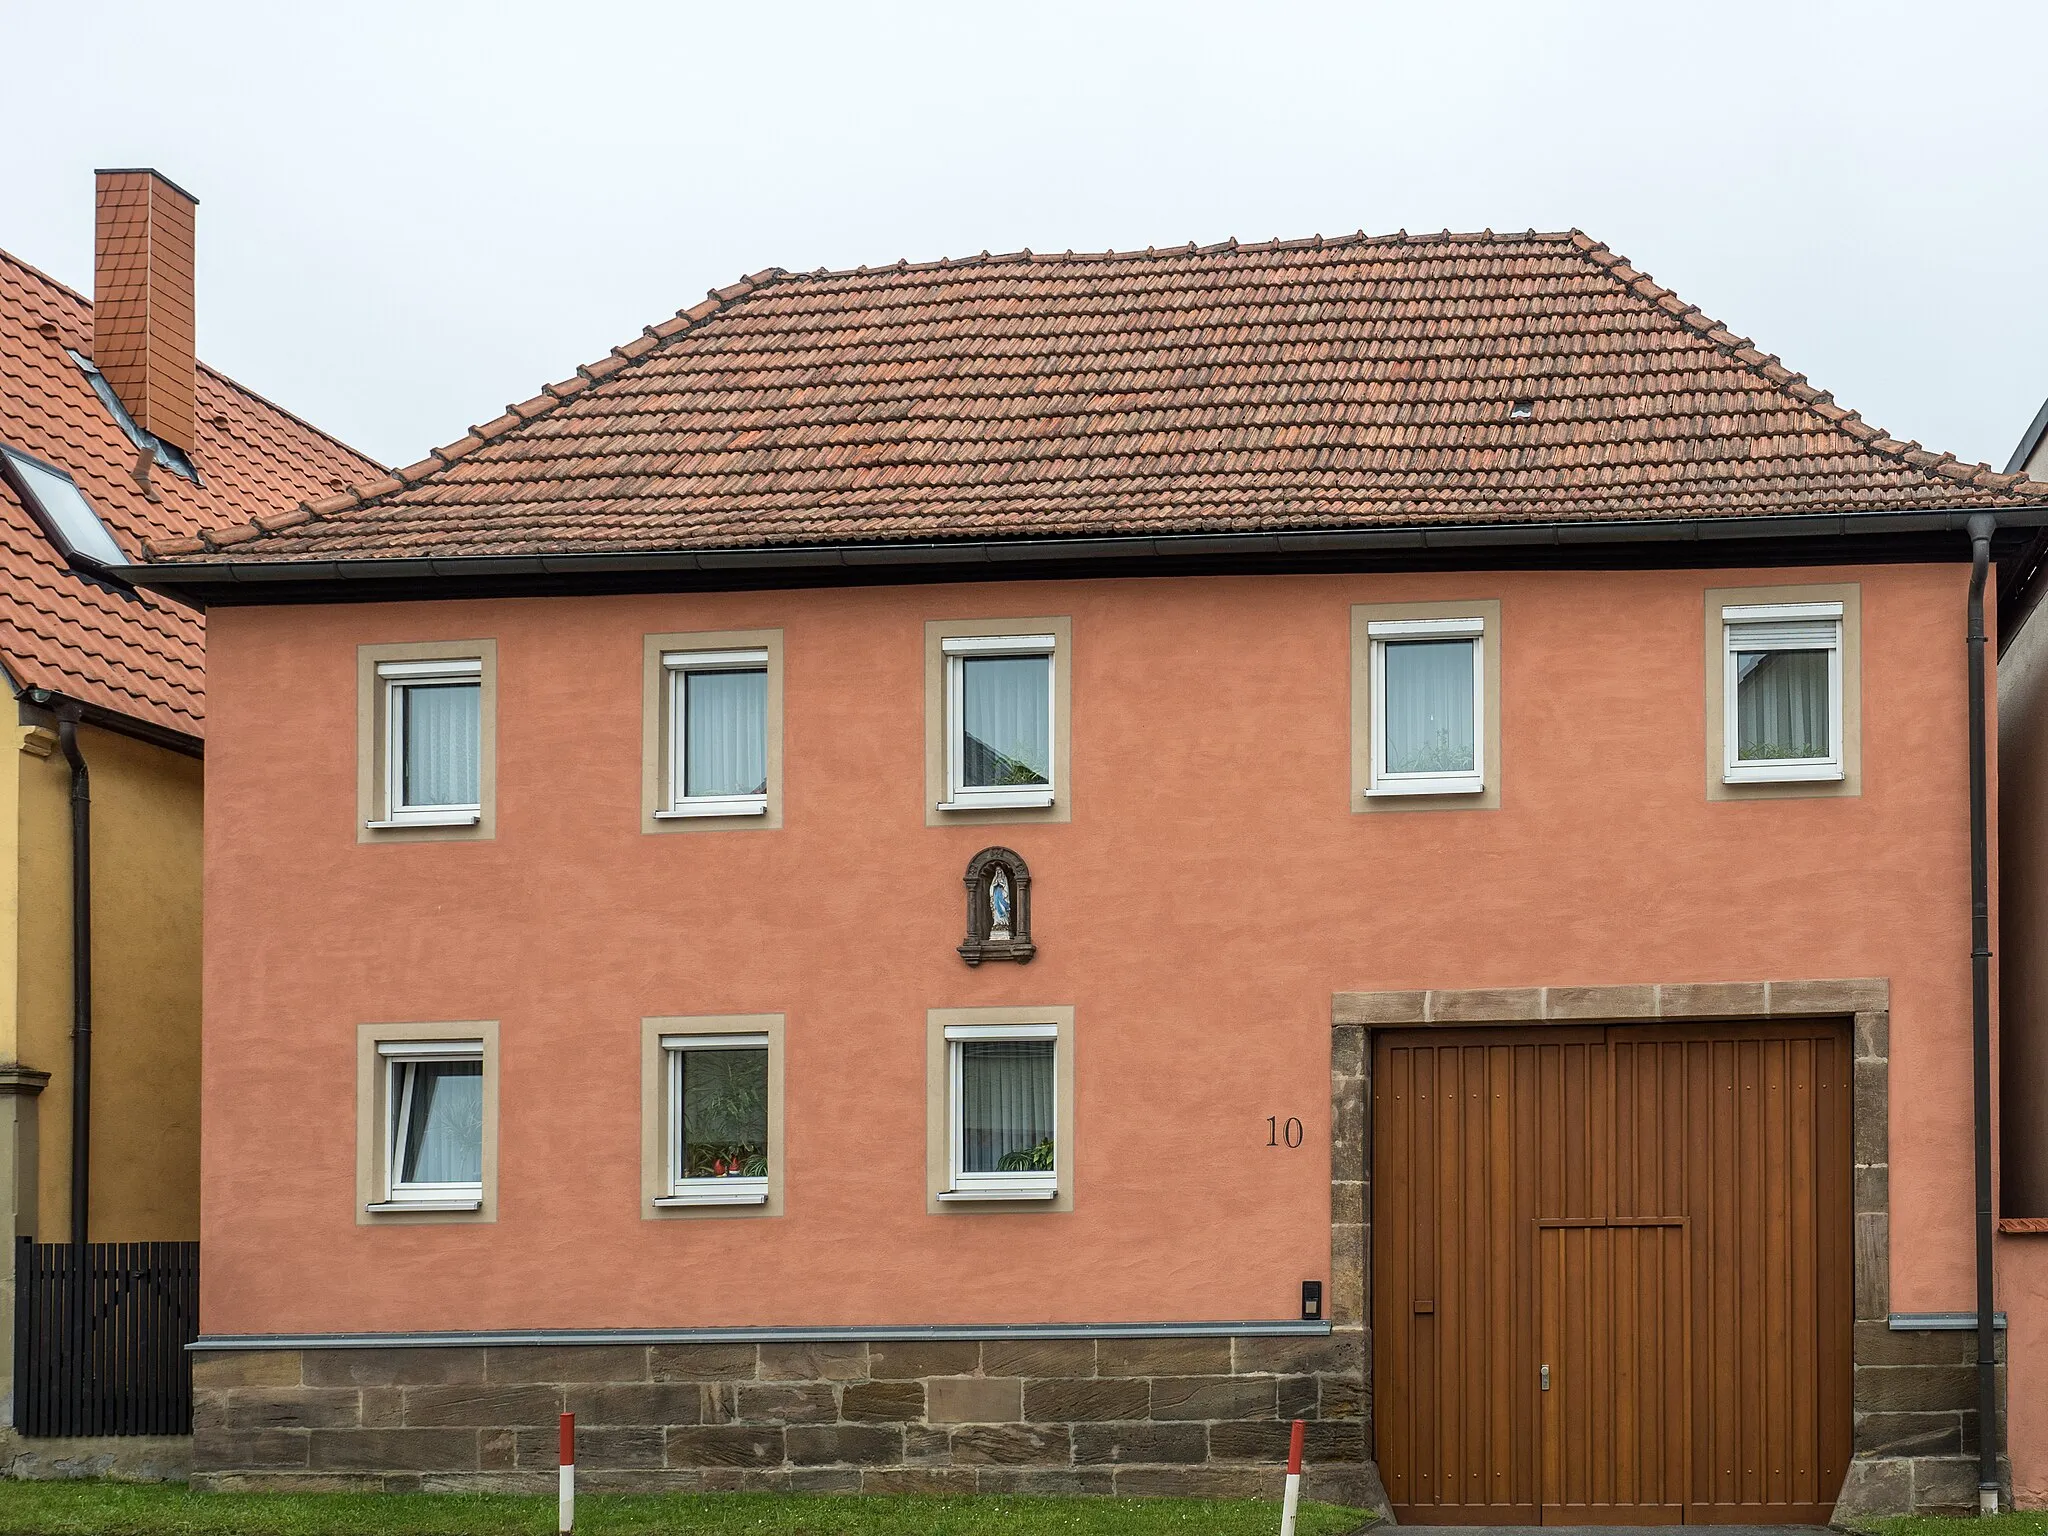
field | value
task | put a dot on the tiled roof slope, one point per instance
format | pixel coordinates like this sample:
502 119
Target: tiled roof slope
137 654
1314 384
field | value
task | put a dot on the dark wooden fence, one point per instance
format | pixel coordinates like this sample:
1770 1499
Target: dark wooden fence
99 1348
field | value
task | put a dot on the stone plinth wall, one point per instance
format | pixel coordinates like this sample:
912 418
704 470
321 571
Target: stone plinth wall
1180 1416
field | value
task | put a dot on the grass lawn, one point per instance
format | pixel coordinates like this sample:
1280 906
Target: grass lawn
1967 1525
169 1509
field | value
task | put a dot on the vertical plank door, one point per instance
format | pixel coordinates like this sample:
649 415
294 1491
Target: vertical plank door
1724 1148
1476 1134
1746 1131
1613 1372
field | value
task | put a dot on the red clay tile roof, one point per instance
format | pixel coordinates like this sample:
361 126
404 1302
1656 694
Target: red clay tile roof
1310 384
139 655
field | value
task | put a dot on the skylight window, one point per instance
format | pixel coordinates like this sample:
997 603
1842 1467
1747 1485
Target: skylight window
170 457
55 501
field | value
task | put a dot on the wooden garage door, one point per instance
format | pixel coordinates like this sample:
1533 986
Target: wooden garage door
1661 1215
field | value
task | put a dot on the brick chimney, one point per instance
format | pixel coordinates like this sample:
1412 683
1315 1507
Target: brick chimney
142 300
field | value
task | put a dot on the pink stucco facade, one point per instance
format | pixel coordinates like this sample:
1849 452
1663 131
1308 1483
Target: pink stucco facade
1213 889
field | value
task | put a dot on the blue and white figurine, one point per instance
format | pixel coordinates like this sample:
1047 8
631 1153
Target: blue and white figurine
999 904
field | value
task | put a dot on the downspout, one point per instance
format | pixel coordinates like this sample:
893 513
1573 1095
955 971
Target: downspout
81 979
1980 528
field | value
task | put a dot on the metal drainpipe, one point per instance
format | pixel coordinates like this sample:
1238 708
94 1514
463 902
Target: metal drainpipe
1980 529
81 980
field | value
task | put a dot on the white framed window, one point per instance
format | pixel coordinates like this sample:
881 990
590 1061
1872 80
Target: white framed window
1000 721
1781 693
1428 691
433 1132
1003 1111
718 1143
431 716
717 711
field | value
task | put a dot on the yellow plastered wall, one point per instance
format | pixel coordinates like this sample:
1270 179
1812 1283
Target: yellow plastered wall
146 808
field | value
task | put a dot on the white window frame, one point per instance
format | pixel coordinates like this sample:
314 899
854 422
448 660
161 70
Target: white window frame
393 679
393 1057
962 1185
1379 633
957 649
677 667
1790 770
732 1190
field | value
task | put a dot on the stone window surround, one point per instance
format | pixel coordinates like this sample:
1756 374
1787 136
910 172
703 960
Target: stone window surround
655 1110
1366 614
1850 784
373 1155
656 733
1892 1364
370 743
936 632
939 1110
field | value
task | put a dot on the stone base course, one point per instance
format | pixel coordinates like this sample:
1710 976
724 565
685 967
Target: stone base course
1177 1416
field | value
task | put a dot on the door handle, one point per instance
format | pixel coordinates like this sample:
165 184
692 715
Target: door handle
1545 1373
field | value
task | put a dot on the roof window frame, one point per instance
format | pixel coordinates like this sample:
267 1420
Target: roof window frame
11 461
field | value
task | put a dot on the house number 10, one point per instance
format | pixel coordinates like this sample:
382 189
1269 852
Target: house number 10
1275 1131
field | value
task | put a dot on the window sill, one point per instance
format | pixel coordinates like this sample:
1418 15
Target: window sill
1463 784
435 819
399 1207
999 1194
1009 800
1787 773
758 1196
736 805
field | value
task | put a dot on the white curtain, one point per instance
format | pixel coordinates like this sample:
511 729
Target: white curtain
1006 1096
1781 704
1008 729
725 733
444 1126
442 734
1429 706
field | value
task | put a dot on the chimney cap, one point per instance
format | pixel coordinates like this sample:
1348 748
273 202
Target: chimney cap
146 170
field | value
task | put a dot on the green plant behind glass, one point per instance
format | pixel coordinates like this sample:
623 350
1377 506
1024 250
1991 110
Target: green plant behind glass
1036 1159
725 1114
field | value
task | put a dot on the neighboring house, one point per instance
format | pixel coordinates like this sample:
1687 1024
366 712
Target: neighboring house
112 434
2023 974
1005 874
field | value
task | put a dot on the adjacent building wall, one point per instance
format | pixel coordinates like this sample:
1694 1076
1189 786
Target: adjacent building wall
1212 891
146 836
2023 1043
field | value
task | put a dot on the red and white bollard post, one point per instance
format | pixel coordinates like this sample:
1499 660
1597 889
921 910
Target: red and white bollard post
1292 1501
566 1504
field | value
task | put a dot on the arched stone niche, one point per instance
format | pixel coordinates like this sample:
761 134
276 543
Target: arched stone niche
998 908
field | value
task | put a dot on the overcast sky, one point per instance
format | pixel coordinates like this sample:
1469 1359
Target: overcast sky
411 215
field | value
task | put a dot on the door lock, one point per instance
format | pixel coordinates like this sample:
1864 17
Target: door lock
1545 1373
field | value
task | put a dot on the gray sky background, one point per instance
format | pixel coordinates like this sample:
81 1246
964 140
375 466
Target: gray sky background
413 214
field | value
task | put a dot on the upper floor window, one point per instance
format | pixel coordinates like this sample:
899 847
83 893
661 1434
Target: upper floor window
711 731
1782 692
433 742
718 733
1428 689
999 721
426 741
